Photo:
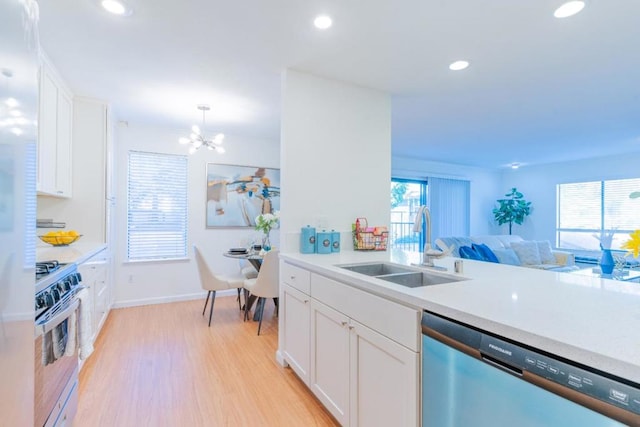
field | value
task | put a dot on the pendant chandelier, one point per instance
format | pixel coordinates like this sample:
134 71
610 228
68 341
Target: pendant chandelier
198 140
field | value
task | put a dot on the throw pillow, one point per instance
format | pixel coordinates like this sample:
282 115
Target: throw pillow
485 252
527 252
468 253
546 256
456 242
507 256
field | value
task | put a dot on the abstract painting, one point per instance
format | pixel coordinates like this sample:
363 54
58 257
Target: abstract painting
236 194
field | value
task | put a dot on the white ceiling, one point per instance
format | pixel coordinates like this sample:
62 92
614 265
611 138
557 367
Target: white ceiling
539 89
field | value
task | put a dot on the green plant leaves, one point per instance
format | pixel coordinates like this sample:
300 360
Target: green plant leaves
512 209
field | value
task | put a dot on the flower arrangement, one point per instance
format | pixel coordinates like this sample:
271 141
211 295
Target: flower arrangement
265 222
633 244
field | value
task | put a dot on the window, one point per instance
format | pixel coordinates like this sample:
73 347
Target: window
156 206
590 213
406 197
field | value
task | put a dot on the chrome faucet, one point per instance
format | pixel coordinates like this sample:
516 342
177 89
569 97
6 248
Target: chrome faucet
429 253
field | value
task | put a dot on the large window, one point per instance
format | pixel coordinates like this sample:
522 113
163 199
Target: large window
156 207
590 213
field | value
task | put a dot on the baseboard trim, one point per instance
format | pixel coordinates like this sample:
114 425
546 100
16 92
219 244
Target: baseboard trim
280 359
169 299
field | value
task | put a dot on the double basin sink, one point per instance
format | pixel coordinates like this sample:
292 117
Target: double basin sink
401 274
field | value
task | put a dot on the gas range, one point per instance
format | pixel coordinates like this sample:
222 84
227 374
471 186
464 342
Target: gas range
53 283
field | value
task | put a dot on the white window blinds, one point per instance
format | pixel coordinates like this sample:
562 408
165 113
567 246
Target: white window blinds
156 206
590 213
449 203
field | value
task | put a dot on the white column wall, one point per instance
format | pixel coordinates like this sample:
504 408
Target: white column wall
163 281
335 156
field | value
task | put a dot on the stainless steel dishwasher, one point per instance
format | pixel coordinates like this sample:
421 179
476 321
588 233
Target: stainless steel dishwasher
473 378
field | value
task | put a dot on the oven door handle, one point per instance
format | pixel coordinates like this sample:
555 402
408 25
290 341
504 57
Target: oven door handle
47 326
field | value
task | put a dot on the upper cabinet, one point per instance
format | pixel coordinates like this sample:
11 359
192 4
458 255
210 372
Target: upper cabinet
54 134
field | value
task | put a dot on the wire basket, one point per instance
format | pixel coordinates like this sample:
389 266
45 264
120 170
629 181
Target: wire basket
367 238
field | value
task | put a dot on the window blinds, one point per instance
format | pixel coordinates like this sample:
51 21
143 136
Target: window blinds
156 206
449 203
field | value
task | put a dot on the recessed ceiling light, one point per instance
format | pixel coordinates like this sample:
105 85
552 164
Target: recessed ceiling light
116 7
322 22
458 65
570 8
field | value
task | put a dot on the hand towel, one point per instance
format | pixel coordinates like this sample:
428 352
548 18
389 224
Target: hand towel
72 342
47 349
85 332
59 338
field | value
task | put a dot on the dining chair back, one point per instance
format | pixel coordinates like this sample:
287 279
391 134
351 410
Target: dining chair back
266 285
211 282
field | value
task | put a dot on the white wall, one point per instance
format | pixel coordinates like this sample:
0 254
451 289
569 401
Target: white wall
538 184
485 187
151 282
336 155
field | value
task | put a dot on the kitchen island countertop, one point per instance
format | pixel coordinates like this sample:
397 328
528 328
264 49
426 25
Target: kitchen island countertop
592 321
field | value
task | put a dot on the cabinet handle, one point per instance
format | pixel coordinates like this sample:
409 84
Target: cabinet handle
293 277
306 301
343 323
350 326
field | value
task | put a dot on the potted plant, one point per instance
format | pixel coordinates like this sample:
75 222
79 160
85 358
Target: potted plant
513 208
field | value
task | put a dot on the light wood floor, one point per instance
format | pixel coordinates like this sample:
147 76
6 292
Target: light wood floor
160 365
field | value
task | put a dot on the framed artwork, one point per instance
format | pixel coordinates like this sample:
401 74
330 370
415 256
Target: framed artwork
236 194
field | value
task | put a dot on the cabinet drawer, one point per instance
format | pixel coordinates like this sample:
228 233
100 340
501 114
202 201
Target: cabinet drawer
393 320
295 277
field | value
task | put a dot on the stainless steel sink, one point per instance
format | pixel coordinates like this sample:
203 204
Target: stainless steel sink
401 275
377 269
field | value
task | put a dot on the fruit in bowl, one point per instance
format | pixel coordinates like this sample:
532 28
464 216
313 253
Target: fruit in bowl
60 238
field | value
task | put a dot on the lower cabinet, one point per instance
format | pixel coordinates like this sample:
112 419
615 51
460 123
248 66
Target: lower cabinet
296 319
363 376
330 360
96 279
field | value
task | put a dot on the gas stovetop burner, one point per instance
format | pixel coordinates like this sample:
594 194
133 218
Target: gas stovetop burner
46 267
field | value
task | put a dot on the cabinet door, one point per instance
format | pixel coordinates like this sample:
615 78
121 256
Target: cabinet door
63 145
330 359
384 380
47 136
296 311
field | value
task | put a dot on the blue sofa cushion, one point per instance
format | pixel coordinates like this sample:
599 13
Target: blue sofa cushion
469 253
485 252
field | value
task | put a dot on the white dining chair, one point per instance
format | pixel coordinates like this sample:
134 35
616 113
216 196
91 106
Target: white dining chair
212 282
266 285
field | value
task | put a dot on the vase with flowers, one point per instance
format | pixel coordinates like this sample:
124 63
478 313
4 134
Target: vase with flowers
265 223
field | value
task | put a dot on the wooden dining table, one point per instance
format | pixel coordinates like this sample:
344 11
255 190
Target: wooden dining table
255 259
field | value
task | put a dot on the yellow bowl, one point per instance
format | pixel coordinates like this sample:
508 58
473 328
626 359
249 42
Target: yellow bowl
60 240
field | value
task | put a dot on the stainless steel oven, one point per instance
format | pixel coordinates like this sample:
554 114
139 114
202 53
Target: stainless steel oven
56 355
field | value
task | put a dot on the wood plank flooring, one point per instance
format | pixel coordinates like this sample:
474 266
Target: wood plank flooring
160 365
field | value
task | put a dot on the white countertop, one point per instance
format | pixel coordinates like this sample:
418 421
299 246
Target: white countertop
589 320
77 252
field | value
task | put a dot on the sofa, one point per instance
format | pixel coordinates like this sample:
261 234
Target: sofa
509 249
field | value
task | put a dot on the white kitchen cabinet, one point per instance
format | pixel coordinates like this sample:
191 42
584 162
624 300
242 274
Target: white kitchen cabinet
384 380
54 134
330 361
364 350
95 277
296 326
